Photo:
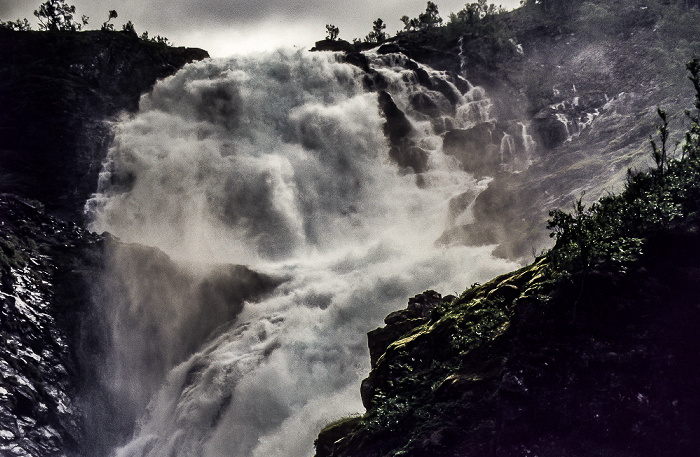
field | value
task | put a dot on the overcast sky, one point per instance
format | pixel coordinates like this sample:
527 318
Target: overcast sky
225 27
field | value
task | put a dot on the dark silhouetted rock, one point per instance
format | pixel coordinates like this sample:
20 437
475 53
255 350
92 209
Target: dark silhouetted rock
389 48
57 89
477 149
550 130
333 45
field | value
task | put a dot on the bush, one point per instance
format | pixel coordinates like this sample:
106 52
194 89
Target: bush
610 234
20 25
429 19
56 15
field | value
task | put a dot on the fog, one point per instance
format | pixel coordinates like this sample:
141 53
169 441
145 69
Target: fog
278 162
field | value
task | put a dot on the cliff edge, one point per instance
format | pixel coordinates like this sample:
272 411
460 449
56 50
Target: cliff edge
58 91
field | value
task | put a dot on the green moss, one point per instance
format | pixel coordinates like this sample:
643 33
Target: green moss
11 254
341 425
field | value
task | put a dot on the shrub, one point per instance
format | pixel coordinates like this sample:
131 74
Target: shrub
610 233
20 25
332 32
56 15
377 35
106 25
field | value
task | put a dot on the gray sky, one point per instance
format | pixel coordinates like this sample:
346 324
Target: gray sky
225 27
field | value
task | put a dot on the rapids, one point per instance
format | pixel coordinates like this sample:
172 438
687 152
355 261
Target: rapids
281 163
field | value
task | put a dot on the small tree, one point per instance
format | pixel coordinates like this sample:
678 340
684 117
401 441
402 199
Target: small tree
161 40
692 136
410 24
156 39
20 25
56 15
377 35
112 15
431 18
129 28
332 32
659 153
378 28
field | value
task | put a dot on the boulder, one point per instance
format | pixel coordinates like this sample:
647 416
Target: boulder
333 45
476 148
549 129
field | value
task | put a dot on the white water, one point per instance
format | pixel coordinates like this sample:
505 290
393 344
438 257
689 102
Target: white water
278 162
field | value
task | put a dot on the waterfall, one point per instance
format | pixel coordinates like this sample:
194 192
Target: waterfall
507 146
280 163
528 141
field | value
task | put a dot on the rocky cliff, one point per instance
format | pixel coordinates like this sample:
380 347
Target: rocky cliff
522 366
58 92
590 350
43 272
554 359
574 99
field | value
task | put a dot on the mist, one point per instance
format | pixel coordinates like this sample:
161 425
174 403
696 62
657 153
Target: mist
264 228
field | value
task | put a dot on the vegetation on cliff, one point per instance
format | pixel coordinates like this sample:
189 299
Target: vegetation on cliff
58 16
590 350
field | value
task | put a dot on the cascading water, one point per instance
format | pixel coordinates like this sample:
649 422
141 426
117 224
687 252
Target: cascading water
279 163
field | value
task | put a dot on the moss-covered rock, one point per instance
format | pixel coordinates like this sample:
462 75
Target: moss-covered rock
591 350
530 364
331 433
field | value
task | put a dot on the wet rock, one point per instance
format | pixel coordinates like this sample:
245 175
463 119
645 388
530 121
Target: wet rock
408 156
424 104
38 371
359 60
331 434
401 322
550 129
559 122
476 148
397 126
333 45
390 48
539 382
400 131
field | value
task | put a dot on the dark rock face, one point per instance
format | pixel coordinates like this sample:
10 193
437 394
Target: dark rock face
401 322
399 131
330 434
431 49
477 148
559 122
333 45
41 298
57 91
550 130
397 126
